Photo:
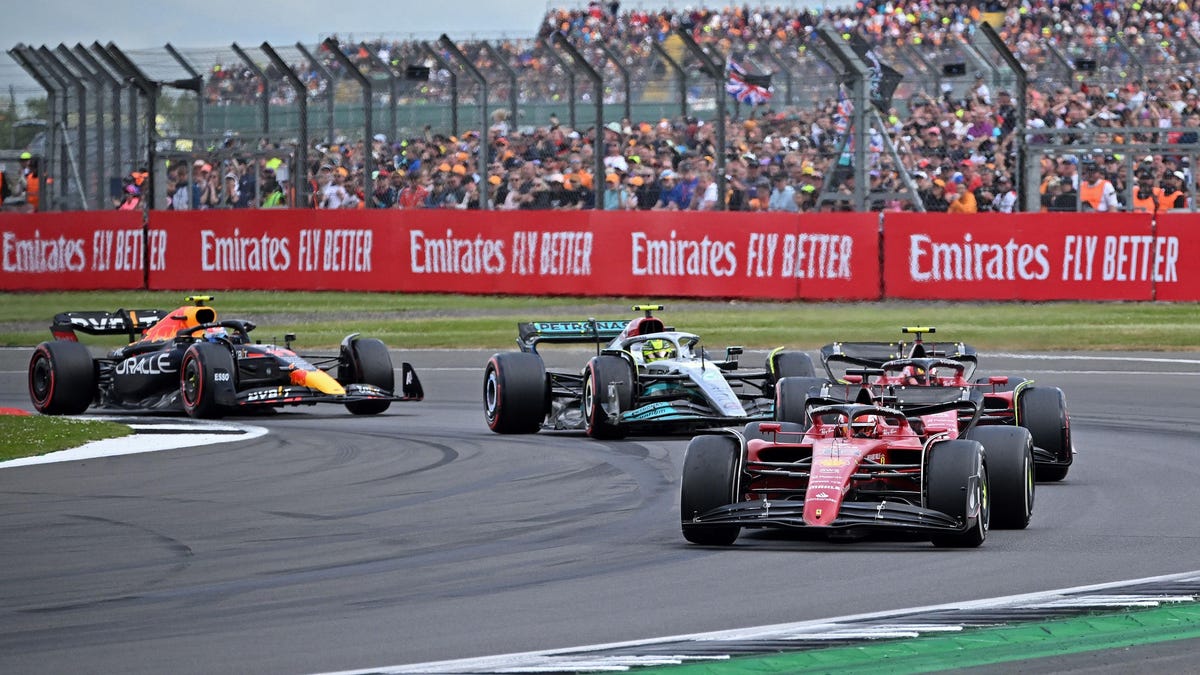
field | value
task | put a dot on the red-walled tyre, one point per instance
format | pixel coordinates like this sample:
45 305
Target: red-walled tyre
62 378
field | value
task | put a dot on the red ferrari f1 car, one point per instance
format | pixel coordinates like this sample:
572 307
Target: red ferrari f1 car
853 468
187 358
878 367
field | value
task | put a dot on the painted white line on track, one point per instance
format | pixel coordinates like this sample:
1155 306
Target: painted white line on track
185 435
1085 357
560 660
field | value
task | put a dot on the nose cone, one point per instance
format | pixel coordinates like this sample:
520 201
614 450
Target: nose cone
319 380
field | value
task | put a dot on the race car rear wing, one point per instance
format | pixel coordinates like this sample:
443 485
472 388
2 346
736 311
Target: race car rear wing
587 331
129 322
839 356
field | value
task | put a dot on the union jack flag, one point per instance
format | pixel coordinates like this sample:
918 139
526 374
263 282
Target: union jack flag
842 114
747 88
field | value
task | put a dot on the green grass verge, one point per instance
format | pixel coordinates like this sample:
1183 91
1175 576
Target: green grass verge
489 322
33 435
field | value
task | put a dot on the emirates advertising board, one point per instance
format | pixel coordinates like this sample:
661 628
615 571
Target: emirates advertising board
1037 256
834 256
1183 228
85 250
526 253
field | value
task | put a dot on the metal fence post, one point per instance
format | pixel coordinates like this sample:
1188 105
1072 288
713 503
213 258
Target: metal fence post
715 69
599 182
28 61
393 93
192 72
570 73
149 90
616 62
265 99
300 170
481 164
114 157
82 71
368 112
1025 192
513 87
680 76
449 68
329 100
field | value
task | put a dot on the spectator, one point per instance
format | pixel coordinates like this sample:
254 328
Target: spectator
414 193
272 194
560 196
1096 193
1005 199
131 198
14 183
783 195
333 189
645 191
935 200
229 194
706 194
383 196
961 199
670 193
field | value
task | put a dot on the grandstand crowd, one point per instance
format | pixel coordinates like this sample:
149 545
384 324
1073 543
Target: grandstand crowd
958 147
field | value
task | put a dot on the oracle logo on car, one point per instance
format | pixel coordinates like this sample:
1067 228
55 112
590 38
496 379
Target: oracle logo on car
146 364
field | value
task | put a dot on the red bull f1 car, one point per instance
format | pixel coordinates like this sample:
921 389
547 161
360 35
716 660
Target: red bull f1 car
919 468
645 378
878 367
188 359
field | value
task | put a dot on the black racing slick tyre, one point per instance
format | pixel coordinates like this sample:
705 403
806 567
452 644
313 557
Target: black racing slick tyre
604 378
1010 473
791 398
515 396
790 364
711 478
205 367
1043 411
956 483
370 363
62 378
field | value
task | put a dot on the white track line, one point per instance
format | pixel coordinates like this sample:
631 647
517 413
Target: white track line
531 661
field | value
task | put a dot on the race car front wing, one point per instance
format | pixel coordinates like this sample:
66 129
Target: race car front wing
883 515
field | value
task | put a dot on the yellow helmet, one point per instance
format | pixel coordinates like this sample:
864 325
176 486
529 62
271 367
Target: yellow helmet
657 349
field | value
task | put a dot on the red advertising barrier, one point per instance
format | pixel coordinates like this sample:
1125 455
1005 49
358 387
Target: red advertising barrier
782 256
1179 281
833 256
827 256
1033 256
84 250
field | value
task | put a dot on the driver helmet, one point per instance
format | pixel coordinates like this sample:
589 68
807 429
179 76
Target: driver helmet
657 349
915 375
216 334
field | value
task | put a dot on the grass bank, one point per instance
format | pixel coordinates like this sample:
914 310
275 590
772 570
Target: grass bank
33 435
